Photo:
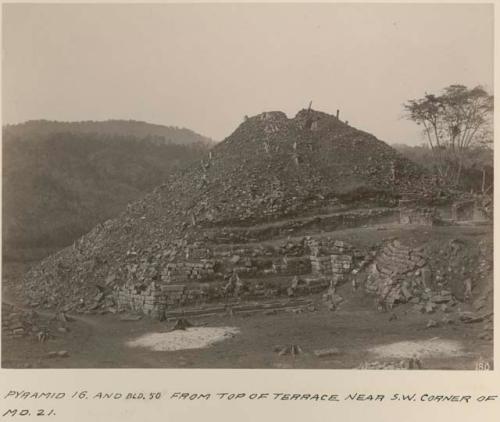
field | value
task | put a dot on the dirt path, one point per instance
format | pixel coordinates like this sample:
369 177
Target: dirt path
308 219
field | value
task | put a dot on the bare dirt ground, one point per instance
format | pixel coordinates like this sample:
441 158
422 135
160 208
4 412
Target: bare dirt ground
100 341
357 331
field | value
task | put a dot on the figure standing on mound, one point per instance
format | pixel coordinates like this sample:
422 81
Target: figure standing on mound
233 285
467 290
354 285
232 288
393 171
331 296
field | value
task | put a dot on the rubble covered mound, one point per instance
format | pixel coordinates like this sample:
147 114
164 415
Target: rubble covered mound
273 176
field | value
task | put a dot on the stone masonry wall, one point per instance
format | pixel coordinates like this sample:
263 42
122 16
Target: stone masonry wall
332 258
189 271
296 267
410 212
149 300
398 274
292 266
464 210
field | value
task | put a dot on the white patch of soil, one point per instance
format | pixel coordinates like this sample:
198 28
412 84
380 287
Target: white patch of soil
191 338
419 349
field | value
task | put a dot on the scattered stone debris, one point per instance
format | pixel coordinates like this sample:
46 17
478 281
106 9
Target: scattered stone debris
411 363
432 324
130 318
430 307
397 275
19 323
58 354
403 274
182 324
447 321
291 349
332 351
486 335
43 335
471 317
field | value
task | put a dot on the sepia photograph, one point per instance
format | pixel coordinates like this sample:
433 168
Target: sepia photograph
252 186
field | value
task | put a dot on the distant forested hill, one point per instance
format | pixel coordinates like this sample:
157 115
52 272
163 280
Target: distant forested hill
166 134
61 179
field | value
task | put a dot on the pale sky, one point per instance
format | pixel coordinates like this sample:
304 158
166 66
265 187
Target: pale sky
205 66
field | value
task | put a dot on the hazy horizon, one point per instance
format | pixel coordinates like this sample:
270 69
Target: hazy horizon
205 66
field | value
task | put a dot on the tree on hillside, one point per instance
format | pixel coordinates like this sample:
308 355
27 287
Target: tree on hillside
455 122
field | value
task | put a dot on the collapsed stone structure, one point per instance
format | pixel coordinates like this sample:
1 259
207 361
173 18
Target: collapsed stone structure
412 211
149 300
472 209
15 324
463 210
294 268
19 323
255 207
398 274
429 278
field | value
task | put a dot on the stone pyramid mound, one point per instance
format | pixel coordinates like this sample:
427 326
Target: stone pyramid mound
273 177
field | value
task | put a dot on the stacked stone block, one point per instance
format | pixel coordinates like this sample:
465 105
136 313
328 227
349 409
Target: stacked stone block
321 265
148 300
17 323
13 326
192 282
331 258
307 285
341 265
411 212
198 251
292 266
175 294
398 274
463 211
189 271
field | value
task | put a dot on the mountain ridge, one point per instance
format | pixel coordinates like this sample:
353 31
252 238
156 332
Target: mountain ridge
137 128
58 185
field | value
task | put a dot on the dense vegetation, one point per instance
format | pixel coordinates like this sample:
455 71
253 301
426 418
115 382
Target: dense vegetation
458 128
157 133
477 170
58 184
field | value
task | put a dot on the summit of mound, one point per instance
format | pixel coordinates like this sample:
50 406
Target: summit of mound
271 168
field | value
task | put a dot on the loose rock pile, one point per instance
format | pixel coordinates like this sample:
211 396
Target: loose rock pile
431 280
270 179
398 274
18 323
412 363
